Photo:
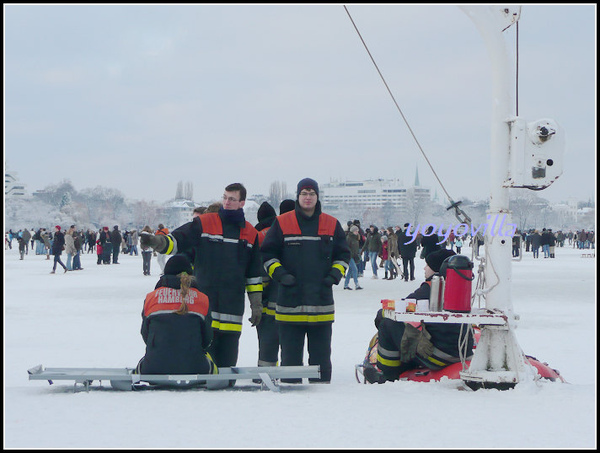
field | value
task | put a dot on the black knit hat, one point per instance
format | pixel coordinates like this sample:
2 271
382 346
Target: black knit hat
265 211
307 183
286 206
435 259
178 264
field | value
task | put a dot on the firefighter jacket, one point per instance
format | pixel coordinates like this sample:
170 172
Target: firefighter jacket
226 263
312 249
446 338
175 343
270 286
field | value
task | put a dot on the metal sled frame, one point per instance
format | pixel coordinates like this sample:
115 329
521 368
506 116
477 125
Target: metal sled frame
476 316
125 379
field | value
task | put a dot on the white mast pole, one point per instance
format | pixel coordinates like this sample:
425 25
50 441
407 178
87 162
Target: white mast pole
498 360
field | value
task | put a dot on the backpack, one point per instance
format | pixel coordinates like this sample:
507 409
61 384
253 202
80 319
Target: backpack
371 374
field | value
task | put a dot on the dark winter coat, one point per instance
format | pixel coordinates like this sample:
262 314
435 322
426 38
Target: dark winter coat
406 250
354 246
78 240
58 245
104 237
373 242
430 244
546 235
116 238
226 262
266 216
26 235
316 254
175 343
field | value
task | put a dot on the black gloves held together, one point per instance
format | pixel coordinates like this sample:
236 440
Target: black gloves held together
287 280
329 281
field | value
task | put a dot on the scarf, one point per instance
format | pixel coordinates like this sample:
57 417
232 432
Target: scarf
233 216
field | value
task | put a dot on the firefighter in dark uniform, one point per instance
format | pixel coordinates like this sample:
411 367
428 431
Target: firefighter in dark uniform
267 330
306 252
268 337
176 325
403 346
227 265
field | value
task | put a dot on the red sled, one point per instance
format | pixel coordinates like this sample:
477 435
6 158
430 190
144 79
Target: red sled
453 372
371 373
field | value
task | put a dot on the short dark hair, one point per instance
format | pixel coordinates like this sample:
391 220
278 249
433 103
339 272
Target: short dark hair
237 187
200 210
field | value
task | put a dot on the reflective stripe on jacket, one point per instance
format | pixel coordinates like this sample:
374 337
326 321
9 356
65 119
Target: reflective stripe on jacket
310 249
226 264
175 343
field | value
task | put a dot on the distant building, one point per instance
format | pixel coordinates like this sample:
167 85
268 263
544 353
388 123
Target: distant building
376 193
178 211
567 211
12 186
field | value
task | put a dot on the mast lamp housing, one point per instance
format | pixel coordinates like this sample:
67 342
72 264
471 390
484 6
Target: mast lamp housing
536 153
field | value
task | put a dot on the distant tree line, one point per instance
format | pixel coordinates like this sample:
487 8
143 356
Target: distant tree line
101 206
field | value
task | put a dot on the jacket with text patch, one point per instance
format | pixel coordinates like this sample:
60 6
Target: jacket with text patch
312 249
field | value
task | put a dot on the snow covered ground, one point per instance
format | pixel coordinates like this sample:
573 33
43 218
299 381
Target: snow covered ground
91 318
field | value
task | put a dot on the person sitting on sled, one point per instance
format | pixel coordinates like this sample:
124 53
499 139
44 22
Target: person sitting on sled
176 324
402 346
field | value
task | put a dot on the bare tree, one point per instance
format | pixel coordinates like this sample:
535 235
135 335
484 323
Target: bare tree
525 206
189 190
277 193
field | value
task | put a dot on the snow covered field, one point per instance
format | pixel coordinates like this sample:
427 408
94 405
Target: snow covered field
91 318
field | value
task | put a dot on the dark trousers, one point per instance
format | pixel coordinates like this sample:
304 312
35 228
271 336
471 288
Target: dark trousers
268 341
224 348
106 252
409 265
291 338
146 259
58 260
388 349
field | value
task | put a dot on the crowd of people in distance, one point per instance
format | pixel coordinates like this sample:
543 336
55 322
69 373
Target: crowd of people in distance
547 240
286 266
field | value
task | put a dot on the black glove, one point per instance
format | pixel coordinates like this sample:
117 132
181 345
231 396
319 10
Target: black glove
287 280
150 240
329 281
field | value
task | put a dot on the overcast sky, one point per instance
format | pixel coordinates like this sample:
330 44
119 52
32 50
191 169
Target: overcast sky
141 97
